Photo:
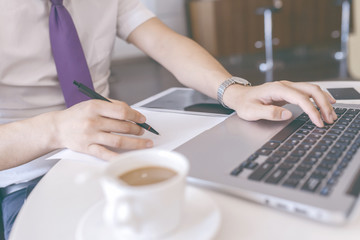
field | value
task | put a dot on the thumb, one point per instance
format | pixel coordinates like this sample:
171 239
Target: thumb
274 113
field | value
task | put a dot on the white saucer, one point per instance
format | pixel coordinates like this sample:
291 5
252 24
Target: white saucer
201 220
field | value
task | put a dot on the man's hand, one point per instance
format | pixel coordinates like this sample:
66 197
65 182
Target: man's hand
93 126
264 101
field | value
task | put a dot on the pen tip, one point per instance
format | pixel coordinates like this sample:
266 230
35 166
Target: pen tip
154 131
76 83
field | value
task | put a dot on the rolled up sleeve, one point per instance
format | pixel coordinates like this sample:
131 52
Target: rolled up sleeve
131 14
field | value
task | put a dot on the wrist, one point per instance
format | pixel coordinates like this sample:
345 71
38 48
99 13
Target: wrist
224 88
234 95
51 136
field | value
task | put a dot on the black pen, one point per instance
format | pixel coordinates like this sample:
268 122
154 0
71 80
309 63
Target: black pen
94 95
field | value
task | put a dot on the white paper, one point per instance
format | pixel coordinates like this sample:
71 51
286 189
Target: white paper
174 128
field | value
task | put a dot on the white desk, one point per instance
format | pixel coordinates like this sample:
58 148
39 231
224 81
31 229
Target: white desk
53 209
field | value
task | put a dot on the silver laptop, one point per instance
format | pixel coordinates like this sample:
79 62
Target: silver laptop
292 166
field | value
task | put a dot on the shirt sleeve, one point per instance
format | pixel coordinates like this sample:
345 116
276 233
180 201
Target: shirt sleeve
131 14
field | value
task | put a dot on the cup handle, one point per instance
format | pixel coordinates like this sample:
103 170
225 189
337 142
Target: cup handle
121 214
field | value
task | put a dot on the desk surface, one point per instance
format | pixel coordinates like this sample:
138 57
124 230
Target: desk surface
53 209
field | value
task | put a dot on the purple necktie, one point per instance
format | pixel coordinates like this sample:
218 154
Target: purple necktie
68 54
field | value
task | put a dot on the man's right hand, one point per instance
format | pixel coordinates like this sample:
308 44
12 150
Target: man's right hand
93 126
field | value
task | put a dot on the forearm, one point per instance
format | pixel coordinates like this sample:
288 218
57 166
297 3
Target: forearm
23 141
199 70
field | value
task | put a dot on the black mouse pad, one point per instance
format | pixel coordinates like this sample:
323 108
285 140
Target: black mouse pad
344 93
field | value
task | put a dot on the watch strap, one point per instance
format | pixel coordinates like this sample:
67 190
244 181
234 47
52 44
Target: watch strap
228 82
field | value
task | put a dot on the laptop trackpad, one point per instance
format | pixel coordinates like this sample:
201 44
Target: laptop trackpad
344 93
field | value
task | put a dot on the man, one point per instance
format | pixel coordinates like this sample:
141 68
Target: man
35 120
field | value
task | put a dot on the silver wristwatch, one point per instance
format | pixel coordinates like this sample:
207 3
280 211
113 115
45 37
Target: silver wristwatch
228 82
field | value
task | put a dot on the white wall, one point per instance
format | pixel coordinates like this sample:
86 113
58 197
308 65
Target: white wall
171 12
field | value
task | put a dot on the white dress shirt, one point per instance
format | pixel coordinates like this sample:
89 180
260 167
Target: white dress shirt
28 78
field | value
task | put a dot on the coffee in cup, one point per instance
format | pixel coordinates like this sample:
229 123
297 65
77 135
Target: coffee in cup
145 193
147 175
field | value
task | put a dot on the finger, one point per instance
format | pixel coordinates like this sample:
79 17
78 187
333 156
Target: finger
120 126
321 99
332 101
268 112
122 111
295 96
101 152
331 98
122 142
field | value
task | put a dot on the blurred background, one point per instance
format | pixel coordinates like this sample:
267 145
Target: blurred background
260 40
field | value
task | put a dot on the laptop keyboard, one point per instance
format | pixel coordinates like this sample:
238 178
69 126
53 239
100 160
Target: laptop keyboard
305 157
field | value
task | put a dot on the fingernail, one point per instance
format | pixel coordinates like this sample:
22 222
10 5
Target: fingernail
142 119
330 118
285 115
334 116
149 144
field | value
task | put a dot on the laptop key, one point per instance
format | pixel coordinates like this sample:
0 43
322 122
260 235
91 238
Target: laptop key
310 160
297 136
310 141
353 111
288 130
276 176
303 132
331 181
273 159
298 153
303 167
253 157
321 148
311 184
286 166
264 152
236 171
251 165
330 137
303 117
297 175
315 153
335 132
340 110
292 159
352 130
325 142
271 145
325 191
308 127
279 153
339 127
304 146
286 148
291 142
318 174
348 136
314 136
344 141
319 131
261 171
291 182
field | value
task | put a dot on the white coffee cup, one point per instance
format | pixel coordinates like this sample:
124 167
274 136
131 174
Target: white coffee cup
147 211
